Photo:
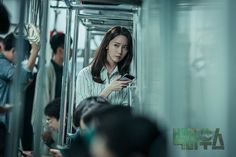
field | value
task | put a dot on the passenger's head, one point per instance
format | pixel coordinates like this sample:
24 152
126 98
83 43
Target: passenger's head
52 111
116 48
4 19
108 113
125 137
10 46
57 45
85 109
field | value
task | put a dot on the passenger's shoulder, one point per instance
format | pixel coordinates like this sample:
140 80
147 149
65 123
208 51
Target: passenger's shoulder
49 66
86 70
5 61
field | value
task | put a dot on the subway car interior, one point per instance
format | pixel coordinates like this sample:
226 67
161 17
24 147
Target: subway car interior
180 78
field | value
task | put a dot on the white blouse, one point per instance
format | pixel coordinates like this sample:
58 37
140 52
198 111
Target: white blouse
86 87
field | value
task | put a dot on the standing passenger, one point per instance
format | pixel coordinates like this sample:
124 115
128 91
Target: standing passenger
52 80
55 67
7 72
53 76
113 58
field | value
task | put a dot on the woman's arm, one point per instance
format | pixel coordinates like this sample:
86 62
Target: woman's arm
115 85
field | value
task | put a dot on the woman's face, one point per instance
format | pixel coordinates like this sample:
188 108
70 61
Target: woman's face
117 49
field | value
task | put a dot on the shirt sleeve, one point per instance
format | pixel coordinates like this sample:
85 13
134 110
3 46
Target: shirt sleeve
25 75
10 72
83 85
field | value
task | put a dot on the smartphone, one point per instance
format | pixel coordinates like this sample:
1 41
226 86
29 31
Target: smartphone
127 77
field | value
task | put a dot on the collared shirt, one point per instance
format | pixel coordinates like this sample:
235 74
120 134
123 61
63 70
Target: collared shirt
7 72
86 87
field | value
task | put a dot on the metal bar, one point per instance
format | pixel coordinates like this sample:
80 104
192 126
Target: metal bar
103 27
102 30
28 11
65 80
97 33
73 74
67 2
87 49
126 8
135 36
38 129
16 96
132 86
58 7
106 17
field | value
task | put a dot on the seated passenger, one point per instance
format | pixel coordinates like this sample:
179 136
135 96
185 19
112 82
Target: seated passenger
85 108
52 112
78 145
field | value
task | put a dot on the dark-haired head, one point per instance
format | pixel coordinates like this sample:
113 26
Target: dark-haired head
100 59
10 42
10 45
108 113
53 109
86 106
4 18
126 137
57 41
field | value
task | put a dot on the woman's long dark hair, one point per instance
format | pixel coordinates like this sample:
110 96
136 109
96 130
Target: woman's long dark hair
101 54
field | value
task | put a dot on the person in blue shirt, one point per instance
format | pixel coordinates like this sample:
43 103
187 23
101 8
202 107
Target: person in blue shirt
7 72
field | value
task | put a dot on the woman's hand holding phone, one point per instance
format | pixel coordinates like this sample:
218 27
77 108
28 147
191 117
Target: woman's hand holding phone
118 84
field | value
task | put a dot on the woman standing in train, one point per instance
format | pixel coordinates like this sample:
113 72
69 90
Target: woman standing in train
112 60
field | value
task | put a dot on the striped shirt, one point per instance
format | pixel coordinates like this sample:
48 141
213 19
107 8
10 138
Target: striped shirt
86 87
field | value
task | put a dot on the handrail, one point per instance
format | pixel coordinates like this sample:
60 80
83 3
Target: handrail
65 80
126 8
38 124
105 17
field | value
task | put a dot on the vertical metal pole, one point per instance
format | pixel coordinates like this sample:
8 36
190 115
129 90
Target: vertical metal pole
27 11
38 145
33 8
134 61
65 80
73 74
16 95
87 48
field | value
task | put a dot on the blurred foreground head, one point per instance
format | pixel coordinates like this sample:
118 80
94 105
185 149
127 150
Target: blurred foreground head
4 19
86 107
128 136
